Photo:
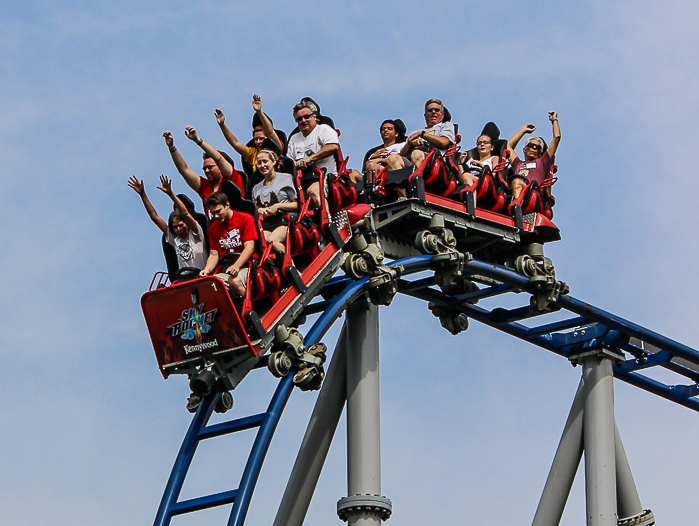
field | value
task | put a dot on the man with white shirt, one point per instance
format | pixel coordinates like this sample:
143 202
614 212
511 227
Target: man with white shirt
313 144
393 136
436 134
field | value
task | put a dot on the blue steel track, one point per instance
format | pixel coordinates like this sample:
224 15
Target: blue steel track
588 327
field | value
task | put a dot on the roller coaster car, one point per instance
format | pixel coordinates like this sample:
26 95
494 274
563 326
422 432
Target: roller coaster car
432 189
196 327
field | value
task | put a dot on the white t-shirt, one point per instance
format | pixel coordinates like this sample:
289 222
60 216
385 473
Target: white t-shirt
395 148
190 251
442 129
301 147
475 169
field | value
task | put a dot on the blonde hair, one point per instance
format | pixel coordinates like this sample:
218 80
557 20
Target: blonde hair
271 154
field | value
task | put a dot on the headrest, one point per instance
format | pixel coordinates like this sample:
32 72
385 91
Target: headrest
187 202
491 130
269 144
257 121
232 192
227 158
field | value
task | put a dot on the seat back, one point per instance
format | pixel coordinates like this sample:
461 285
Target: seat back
239 204
439 179
170 258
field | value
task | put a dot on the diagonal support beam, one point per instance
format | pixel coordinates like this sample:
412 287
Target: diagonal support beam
564 467
316 442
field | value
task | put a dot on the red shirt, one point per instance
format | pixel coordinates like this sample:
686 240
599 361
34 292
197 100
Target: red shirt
229 237
206 188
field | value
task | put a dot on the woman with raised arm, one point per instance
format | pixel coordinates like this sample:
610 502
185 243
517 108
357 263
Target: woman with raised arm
273 196
181 231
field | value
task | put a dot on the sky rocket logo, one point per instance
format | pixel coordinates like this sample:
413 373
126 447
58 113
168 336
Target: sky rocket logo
194 322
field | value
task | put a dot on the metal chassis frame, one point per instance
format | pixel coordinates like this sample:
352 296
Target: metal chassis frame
602 331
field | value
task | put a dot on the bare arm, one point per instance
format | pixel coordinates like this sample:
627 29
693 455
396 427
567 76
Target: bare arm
266 123
553 117
413 141
190 177
211 263
325 151
245 255
228 134
166 186
437 141
223 165
514 140
140 189
291 206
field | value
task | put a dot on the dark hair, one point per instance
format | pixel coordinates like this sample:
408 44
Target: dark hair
400 127
223 154
217 198
171 220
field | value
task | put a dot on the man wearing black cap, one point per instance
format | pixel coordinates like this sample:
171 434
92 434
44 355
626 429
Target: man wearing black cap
393 136
262 128
537 156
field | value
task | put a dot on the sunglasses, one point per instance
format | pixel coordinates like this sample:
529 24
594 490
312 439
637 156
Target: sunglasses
304 117
533 146
481 143
433 110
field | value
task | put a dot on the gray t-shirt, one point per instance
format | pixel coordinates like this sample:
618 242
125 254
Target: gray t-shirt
443 129
281 190
191 251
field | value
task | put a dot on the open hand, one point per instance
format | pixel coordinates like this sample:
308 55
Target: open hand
256 102
166 185
136 185
220 117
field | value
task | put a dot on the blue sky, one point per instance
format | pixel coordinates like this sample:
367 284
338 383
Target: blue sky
470 423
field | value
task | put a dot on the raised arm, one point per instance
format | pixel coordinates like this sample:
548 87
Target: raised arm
553 117
514 140
166 186
140 189
223 165
232 139
190 177
266 123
